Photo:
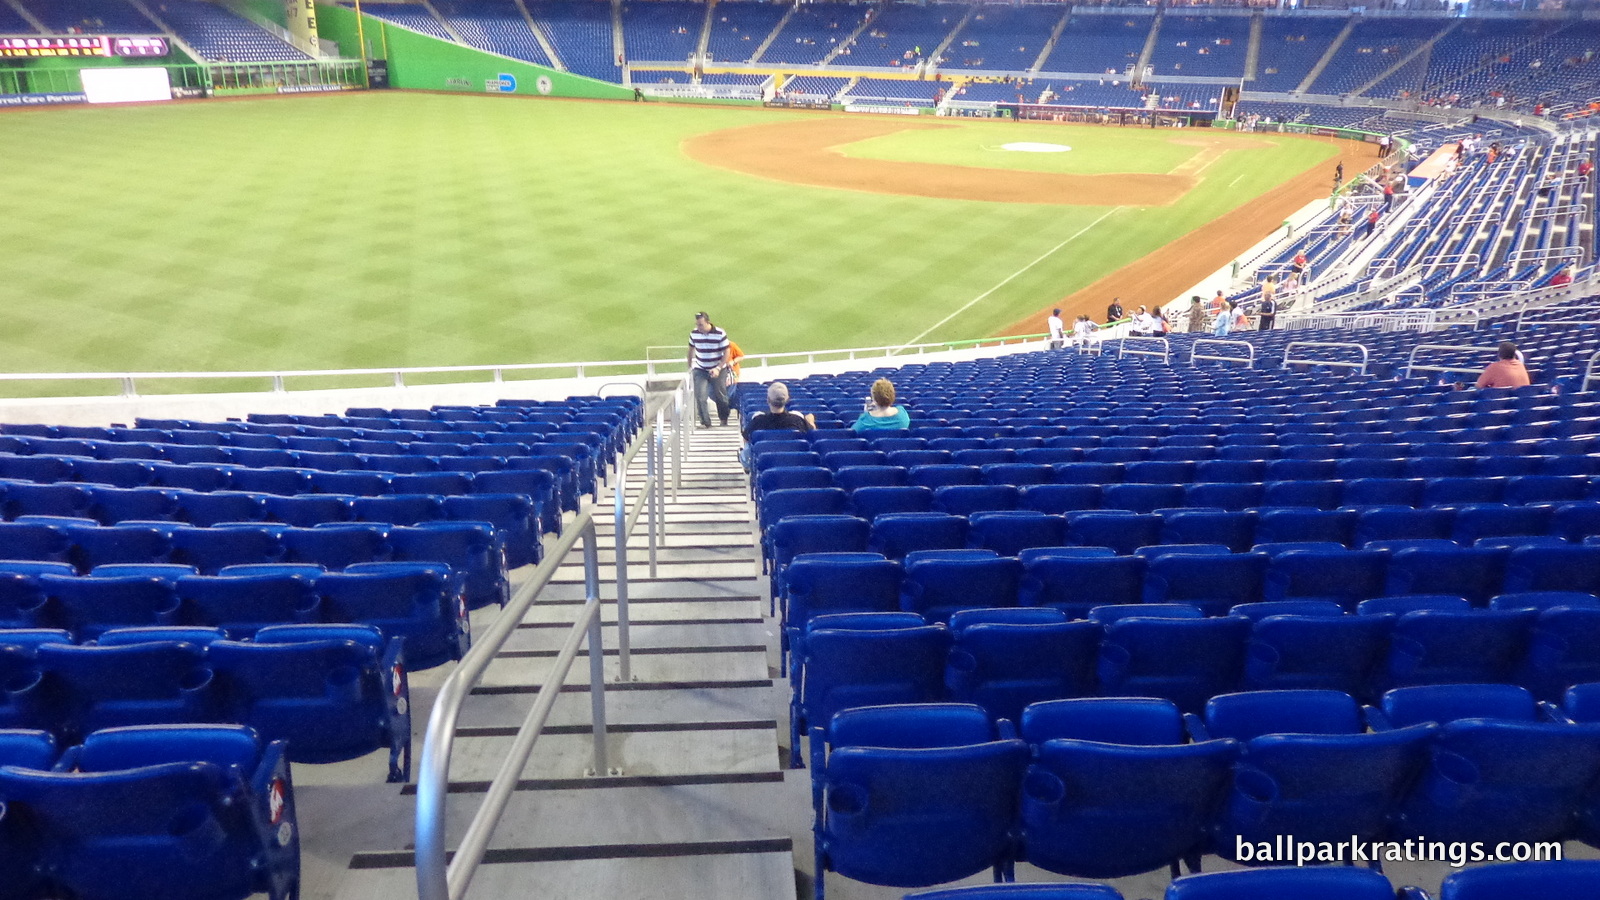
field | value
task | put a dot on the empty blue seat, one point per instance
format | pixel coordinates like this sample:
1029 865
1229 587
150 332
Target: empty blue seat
1075 583
1279 525
790 477
1566 879
1382 491
335 547
470 549
307 510
1144 721
146 504
1224 495
1121 531
1141 498
826 583
1576 521
910 806
356 483
114 472
1476 521
856 660
1552 569
869 502
1563 649
1022 892
1005 659
1187 661
1400 523
94 546
1010 532
40 469
203 478
193 813
1101 473
1234 529
896 534
1461 490
1099 810
87 606
242 605
939 582
400 509
967 499
1346 577
1311 494
333 692
1060 498
205 510
1435 647
1212 582
1442 703
1333 653
158 682
1251 714
774 505
1471 572
210 549
416 601
1401 604
1495 780
1327 883
937 476
23 499
271 480
853 478
1233 471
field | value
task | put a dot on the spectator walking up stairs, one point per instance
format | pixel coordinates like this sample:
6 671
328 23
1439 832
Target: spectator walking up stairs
699 806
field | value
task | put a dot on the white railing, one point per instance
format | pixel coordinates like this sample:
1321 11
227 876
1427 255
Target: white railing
1249 359
1387 320
1413 366
278 381
1165 351
1289 359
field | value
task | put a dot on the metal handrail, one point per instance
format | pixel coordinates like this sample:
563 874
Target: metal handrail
1411 361
1122 347
624 523
1249 360
1589 373
440 877
1361 367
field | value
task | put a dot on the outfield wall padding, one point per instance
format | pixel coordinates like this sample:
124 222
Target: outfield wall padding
426 63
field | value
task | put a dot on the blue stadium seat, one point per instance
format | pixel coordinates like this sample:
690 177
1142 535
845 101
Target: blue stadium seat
1141 721
146 504
308 510
938 476
71 500
1141 498
1251 714
1401 523
1075 582
1060 498
792 477
217 507
333 692
470 549
1005 659
1187 661
1294 524
896 534
193 813
1212 582
210 549
241 605
419 602
967 499
1563 649
1434 647
1552 569
1236 529
1326 883
919 812
1567 879
1475 572
940 582
1123 532
94 546
869 502
87 606
1022 892
1010 532
1346 577
1101 810
1333 653
157 682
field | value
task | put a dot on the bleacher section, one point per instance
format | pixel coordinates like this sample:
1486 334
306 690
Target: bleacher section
1373 47
897 35
812 32
493 25
410 15
219 35
1002 38
90 16
1290 49
814 86
738 28
1209 46
581 32
900 91
1099 43
1468 48
662 29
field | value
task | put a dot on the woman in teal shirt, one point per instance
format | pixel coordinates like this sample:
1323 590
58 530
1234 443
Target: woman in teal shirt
881 414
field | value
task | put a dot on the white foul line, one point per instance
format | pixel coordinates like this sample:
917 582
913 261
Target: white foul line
975 300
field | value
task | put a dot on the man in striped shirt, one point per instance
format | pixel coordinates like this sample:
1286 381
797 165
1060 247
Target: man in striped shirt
708 358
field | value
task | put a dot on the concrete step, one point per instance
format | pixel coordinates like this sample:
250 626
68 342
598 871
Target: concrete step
528 672
637 750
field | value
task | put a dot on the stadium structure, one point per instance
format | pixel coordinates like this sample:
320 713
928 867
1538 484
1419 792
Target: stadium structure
1183 611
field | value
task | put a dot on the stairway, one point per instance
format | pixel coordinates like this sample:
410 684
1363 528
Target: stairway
697 808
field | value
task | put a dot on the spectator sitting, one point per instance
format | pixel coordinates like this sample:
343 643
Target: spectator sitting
778 417
881 413
1507 371
1561 278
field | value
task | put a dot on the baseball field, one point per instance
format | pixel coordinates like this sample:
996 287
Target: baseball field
409 229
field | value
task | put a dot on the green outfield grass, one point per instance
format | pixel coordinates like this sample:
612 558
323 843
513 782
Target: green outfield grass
392 229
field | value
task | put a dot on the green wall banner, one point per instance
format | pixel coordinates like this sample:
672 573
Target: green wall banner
426 63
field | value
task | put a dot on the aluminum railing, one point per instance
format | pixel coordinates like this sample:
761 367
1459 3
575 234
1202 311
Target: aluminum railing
1249 359
1589 374
1412 365
1138 341
1290 360
441 876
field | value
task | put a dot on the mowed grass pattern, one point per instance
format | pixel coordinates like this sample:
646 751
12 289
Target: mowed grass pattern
391 229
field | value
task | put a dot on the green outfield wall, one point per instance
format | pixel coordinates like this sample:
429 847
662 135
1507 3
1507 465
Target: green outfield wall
424 63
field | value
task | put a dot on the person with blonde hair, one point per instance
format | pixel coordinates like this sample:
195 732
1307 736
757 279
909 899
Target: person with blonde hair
881 413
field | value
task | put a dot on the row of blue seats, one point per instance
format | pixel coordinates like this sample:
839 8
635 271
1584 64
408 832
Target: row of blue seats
1152 486
332 691
421 602
470 550
1004 659
568 476
912 795
517 518
1009 531
198 812
1554 880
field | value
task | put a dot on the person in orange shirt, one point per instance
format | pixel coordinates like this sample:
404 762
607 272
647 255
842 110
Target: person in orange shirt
1507 371
731 374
